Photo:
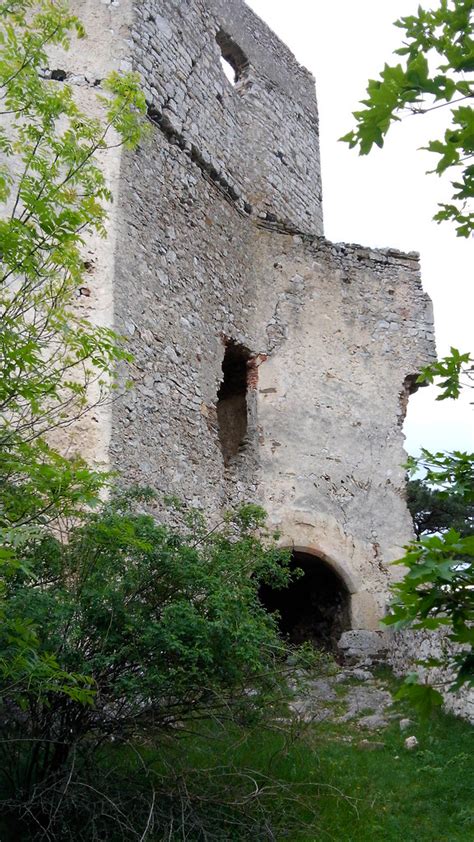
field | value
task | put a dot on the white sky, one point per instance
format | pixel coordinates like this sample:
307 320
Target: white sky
385 199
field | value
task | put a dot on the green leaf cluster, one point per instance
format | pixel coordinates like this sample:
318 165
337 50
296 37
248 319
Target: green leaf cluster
437 72
450 374
54 194
438 589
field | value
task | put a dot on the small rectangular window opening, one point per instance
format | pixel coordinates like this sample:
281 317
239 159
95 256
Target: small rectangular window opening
232 400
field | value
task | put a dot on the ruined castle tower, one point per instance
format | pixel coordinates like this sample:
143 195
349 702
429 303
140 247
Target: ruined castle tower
269 364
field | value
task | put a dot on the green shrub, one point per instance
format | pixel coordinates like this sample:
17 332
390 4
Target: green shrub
160 627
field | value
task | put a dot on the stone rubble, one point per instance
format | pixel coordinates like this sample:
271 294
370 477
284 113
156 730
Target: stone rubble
346 695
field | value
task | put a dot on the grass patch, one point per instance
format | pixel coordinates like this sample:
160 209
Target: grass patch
324 785
321 782
391 793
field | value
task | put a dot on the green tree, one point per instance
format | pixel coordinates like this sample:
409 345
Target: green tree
433 511
54 196
437 72
438 590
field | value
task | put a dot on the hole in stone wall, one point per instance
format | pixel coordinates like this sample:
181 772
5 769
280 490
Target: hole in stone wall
315 607
232 400
58 75
234 62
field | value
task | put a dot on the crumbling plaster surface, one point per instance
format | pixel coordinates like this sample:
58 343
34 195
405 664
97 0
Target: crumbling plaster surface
345 325
107 45
106 48
90 436
335 331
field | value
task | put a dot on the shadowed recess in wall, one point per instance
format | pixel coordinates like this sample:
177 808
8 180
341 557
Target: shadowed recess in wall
410 386
315 607
232 400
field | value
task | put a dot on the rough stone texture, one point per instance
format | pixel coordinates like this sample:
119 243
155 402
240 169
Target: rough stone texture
364 646
257 140
324 441
362 675
361 700
410 646
335 696
216 235
374 722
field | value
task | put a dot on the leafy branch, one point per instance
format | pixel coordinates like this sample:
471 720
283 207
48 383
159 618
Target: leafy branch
437 72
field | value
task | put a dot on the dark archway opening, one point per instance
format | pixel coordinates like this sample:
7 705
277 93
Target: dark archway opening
231 404
315 608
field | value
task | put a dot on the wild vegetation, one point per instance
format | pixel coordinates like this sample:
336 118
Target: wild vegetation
436 72
433 512
53 193
144 691
154 630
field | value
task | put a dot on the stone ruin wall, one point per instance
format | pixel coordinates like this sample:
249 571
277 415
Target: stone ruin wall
224 209
216 237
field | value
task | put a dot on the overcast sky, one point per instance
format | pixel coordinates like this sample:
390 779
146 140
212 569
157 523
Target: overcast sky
385 199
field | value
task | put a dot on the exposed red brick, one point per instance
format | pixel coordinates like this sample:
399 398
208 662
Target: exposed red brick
252 369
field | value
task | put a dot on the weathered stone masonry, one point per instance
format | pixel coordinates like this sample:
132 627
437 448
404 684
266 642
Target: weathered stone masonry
217 251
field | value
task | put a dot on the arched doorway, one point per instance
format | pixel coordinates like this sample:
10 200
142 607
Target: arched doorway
316 605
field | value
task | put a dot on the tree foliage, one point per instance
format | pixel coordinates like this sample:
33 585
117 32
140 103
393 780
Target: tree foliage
450 475
114 630
451 374
437 71
54 197
433 511
166 629
437 593
444 498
